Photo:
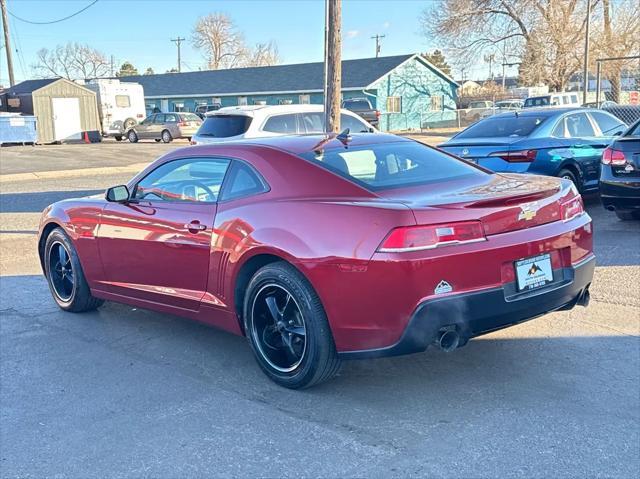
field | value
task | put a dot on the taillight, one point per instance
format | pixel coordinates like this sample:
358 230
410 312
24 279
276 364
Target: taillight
193 142
377 114
572 208
182 123
520 156
613 157
414 238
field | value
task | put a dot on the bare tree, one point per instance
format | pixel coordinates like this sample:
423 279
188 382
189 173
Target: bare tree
223 45
71 61
264 54
544 34
617 36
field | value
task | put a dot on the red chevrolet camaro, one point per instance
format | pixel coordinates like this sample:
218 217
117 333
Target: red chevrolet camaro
319 249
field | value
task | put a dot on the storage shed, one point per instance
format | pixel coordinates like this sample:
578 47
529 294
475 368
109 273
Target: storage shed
64 109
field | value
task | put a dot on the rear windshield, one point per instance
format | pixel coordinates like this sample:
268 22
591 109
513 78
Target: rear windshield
392 165
634 131
357 105
224 126
537 101
190 117
511 126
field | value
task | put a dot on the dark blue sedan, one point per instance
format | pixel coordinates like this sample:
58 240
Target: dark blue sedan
563 142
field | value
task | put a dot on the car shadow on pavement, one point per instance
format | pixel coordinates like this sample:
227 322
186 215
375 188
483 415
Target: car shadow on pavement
36 202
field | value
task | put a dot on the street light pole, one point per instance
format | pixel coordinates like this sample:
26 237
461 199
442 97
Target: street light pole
7 44
585 69
333 66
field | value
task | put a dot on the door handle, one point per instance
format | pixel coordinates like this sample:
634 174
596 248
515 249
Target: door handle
195 226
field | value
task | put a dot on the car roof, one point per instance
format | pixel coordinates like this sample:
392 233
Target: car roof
303 143
541 111
264 110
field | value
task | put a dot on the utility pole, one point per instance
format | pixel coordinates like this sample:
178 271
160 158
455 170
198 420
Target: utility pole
334 66
178 41
377 39
7 44
112 66
585 69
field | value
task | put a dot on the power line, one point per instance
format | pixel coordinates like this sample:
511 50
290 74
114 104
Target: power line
53 21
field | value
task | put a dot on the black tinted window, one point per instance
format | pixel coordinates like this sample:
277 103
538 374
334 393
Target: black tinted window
281 124
608 125
539 101
392 165
513 126
243 180
354 125
224 126
578 125
357 105
159 118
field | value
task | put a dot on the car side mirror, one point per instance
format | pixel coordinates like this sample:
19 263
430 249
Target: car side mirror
117 194
618 133
371 130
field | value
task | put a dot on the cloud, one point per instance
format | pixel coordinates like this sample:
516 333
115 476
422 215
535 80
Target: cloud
386 25
353 33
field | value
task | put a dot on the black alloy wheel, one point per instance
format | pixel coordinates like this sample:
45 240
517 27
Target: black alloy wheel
278 328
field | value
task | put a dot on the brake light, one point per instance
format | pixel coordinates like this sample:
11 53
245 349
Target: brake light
572 208
182 123
613 157
377 113
521 156
414 238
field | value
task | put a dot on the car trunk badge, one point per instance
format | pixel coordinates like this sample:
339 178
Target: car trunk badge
443 287
528 212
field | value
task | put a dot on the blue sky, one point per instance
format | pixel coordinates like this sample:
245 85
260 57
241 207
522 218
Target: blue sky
139 30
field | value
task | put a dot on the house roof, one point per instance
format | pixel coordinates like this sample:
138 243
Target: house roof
29 86
305 77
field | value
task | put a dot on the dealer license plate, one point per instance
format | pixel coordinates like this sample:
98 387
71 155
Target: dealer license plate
534 272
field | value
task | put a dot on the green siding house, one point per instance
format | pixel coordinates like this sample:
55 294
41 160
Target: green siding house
409 92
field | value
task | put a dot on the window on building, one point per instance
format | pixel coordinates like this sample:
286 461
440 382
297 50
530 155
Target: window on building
242 100
436 102
394 104
285 101
178 107
123 101
216 100
304 99
259 102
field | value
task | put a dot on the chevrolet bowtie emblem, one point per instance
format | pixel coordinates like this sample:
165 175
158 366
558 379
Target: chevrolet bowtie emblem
527 213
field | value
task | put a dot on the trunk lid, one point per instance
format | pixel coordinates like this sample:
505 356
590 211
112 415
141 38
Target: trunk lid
479 150
502 202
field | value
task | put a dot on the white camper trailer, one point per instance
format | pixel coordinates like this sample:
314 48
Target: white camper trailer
120 105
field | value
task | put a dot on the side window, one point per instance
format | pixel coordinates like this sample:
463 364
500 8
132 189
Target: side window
159 119
578 125
565 100
281 124
170 118
354 125
190 179
312 122
608 126
148 120
242 181
123 101
558 131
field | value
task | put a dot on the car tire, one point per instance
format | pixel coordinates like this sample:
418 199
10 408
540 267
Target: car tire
64 274
157 140
627 215
129 123
118 138
166 136
287 328
132 136
569 175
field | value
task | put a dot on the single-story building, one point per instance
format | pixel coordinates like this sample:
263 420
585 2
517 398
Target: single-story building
409 92
64 110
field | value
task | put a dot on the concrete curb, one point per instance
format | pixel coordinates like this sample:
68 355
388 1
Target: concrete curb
40 175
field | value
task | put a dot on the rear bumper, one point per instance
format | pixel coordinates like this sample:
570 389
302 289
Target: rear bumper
620 193
480 312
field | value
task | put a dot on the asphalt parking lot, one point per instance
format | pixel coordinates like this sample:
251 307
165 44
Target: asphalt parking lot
124 392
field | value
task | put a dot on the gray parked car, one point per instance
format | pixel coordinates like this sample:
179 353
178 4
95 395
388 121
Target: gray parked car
165 127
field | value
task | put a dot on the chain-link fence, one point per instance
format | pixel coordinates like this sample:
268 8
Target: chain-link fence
617 87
